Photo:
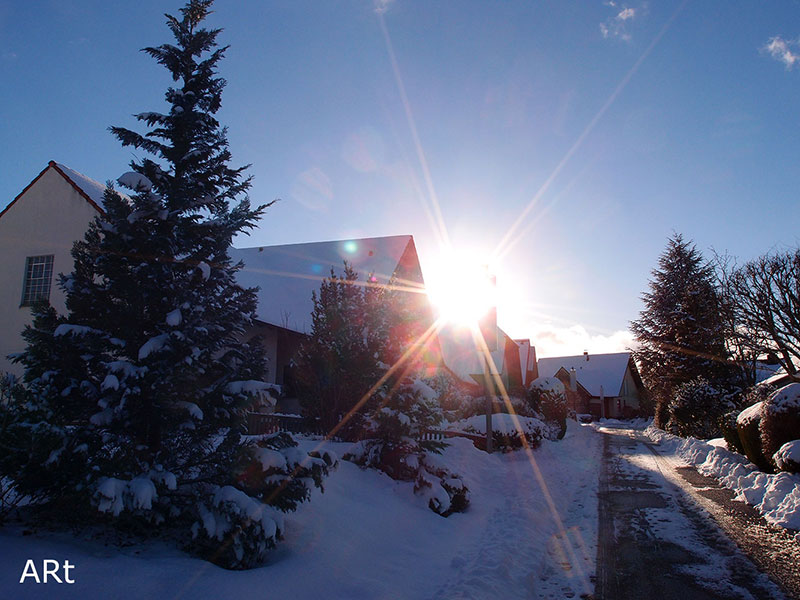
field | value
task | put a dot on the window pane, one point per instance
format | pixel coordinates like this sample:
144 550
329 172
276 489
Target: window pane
38 277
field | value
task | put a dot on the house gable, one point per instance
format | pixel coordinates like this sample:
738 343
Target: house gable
44 220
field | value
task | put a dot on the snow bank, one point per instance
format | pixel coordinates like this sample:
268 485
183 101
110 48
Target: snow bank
777 497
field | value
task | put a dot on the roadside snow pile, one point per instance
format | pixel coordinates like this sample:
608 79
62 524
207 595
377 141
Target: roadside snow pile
777 497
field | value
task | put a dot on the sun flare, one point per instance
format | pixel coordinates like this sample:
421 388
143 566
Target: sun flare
461 291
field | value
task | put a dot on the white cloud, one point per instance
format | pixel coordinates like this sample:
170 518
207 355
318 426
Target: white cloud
312 188
625 14
551 340
781 50
617 26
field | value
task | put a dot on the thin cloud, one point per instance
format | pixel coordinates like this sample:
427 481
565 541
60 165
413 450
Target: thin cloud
782 50
381 6
617 26
313 189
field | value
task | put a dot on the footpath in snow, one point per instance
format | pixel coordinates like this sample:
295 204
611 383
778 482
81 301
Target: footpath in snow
530 532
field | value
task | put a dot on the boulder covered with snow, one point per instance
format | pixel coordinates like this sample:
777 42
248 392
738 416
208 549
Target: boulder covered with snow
780 421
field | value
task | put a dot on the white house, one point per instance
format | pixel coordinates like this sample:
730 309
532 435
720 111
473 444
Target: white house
606 385
37 230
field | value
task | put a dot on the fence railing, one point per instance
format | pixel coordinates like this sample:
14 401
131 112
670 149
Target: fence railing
258 424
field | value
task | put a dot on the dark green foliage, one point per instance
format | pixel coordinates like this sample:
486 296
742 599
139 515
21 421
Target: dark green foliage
780 420
696 409
338 364
750 436
680 332
547 398
727 426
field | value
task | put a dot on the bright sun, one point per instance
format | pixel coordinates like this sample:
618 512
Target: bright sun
461 292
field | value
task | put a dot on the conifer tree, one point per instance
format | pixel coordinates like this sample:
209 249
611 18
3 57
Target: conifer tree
144 383
680 332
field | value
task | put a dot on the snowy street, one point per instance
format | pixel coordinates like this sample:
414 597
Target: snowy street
656 542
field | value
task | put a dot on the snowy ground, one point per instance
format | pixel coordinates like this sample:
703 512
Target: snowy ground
530 532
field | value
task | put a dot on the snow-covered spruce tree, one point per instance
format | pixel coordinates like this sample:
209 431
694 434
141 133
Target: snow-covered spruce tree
680 332
145 380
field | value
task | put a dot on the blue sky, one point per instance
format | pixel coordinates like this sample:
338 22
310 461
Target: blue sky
607 126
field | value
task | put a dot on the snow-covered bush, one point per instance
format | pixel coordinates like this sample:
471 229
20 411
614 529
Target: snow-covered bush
547 395
748 425
742 400
455 397
509 432
787 458
244 520
696 408
394 443
780 421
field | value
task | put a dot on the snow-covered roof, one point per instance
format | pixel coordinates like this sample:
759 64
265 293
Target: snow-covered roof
94 190
461 354
286 275
606 370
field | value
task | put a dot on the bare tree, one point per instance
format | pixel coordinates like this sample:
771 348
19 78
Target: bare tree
764 299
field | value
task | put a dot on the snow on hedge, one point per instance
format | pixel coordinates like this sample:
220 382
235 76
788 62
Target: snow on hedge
786 399
777 497
750 413
787 454
501 422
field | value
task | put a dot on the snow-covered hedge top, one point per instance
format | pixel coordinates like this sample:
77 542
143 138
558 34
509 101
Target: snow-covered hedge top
786 399
788 453
501 422
749 414
548 384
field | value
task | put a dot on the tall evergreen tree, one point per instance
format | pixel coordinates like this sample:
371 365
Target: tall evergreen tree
680 332
140 391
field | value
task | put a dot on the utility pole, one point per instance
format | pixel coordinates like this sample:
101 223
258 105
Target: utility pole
488 329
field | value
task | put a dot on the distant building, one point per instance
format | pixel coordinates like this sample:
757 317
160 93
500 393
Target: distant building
605 385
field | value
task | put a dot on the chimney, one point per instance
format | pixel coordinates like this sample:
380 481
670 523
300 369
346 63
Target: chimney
573 380
586 355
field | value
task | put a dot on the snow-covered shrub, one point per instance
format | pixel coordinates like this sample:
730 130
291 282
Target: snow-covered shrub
509 432
780 421
742 400
394 441
455 397
547 395
787 458
748 425
696 408
446 493
244 520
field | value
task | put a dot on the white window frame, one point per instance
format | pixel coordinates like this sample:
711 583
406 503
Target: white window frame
38 279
